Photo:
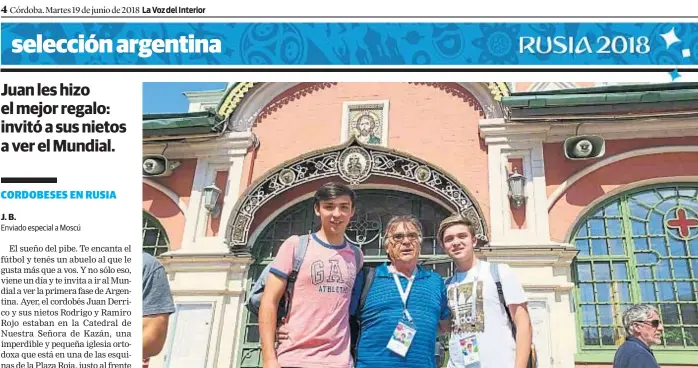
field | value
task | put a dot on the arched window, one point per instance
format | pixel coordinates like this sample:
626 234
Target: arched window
639 247
155 239
374 209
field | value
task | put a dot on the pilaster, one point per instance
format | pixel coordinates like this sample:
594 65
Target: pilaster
225 154
527 147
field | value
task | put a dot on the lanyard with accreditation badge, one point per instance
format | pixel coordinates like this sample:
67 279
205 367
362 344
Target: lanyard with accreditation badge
404 333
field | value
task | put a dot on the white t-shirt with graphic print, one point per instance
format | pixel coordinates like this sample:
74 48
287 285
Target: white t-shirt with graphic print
497 348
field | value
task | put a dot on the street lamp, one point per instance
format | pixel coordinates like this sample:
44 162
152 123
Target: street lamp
211 194
517 184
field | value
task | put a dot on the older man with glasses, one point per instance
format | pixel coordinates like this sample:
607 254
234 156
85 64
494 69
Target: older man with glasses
405 306
644 329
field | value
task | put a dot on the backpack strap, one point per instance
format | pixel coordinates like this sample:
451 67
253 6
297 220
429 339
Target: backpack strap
494 270
369 274
357 256
298 255
532 357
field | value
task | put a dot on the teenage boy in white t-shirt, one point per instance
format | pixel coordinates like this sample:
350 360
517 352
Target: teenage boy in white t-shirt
481 336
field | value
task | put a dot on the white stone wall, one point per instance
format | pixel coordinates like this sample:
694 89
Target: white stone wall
542 266
220 281
202 272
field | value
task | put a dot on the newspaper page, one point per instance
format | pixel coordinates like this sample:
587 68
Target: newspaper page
156 157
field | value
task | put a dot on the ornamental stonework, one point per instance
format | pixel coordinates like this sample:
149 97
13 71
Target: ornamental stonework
354 163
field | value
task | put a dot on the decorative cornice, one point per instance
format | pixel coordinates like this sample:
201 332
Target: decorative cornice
498 90
228 146
556 86
295 94
627 129
233 97
262 98
461 92
500 131
213 96
555 254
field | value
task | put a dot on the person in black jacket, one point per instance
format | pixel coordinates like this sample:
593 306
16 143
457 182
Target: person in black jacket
644 329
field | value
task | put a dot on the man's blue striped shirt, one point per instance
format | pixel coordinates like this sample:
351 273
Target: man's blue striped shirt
383 309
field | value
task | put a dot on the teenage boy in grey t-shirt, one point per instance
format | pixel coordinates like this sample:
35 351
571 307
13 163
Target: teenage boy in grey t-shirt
157 306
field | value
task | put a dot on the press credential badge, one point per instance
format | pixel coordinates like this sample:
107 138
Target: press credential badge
402 338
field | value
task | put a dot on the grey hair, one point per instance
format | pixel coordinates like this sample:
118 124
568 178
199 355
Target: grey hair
402 219
636 313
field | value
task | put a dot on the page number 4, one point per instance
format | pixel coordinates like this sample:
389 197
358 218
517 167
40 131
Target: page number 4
4 9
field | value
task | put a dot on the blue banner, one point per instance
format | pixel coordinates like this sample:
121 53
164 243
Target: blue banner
350 44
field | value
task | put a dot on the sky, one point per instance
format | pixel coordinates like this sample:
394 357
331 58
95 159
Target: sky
168 97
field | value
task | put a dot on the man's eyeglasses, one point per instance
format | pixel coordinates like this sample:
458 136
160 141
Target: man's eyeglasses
654 323
400 236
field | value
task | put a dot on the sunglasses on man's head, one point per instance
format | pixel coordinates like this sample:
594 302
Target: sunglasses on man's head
654 323
400 236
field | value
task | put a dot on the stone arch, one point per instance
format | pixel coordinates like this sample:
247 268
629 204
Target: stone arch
595 181
169 193
278 205
587 211
254 99
354 164
581 174
167 207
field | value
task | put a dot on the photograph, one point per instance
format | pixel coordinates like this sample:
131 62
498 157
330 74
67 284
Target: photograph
570 203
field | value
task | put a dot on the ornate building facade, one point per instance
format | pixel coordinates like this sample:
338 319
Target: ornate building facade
586 237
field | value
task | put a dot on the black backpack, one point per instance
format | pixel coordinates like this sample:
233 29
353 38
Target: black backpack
254 301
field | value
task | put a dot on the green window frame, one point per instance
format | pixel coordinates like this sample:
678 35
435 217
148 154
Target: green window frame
634 249
155 240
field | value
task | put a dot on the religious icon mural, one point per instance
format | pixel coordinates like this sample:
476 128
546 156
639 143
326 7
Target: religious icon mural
355 164
366 122
365 128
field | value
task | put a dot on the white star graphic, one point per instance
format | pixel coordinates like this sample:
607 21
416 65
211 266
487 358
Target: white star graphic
670 38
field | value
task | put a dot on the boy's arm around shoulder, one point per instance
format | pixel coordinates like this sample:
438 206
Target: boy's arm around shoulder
274 289
445 317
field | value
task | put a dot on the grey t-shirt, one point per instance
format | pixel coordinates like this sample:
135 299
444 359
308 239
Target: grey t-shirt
157 297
